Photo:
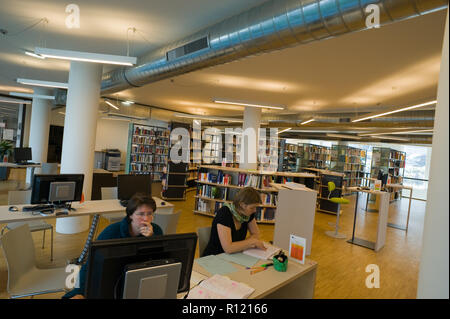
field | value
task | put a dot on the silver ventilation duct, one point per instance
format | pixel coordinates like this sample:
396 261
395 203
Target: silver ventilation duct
274 25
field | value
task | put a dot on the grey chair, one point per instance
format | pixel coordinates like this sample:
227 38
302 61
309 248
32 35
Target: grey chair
49 168
203 238
24 197
24 277
167 221
111 193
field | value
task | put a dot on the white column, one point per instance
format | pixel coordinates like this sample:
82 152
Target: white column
40 125
80 127
433 273
252 121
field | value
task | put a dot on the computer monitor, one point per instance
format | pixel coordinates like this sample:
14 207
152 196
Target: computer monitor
384 179
60 188
22 154
110 261
128 185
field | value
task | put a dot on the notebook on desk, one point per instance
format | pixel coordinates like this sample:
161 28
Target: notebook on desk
262 254
220 287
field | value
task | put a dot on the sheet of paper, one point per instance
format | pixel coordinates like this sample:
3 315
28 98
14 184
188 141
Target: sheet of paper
263 254
196 278
215 265
240 258
220 287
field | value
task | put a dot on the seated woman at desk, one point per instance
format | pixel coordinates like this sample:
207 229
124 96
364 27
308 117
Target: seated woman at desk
229 227
138 222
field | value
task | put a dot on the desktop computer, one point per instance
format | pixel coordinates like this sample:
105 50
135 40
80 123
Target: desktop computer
22 155
128 185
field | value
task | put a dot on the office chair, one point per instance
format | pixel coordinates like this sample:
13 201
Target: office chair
337 200
24 197
167 221
24 277
203 238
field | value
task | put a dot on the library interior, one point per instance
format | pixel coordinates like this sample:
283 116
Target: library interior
248 149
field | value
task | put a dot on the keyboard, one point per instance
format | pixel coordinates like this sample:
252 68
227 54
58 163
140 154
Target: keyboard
36 208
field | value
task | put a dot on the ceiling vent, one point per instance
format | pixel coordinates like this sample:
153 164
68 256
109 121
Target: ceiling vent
186 49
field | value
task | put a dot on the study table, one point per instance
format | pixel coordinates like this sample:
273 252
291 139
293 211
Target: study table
382 219
296 283
31 167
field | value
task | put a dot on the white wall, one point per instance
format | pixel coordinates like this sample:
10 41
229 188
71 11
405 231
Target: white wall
112 134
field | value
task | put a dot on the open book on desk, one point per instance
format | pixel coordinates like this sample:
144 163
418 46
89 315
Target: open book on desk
220 287
262 254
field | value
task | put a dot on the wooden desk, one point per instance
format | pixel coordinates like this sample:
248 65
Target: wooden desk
399 186
382 219
107 206
296 283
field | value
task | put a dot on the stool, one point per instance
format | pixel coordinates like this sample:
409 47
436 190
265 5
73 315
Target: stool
337 200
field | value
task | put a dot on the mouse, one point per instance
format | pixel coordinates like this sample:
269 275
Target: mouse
163 203
13 209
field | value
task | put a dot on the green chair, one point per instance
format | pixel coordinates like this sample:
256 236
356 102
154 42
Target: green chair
337 200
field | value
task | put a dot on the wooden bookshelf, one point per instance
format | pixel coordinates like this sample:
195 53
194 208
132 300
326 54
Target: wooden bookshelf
314 156
218 185
351 161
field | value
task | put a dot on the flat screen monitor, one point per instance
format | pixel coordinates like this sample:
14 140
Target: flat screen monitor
57 188
109 260
128 185
22 154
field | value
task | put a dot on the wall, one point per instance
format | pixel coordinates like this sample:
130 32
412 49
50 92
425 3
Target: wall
112 134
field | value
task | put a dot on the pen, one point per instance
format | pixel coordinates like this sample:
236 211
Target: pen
257 270
259 267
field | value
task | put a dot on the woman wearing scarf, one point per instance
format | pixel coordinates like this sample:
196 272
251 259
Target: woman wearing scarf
230 225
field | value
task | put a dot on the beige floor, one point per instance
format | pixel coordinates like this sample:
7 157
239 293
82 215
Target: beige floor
341 271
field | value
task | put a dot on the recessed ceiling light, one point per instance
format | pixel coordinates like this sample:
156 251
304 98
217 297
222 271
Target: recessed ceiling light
205 117
396 132
284 130
112 105
86 56
306 122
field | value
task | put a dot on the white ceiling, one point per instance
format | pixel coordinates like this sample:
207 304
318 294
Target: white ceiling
395 65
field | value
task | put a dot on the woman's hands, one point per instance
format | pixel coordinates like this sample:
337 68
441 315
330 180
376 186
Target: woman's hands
146 229
257 243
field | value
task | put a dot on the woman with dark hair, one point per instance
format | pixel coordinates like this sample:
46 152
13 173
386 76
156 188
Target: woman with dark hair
137 223
230 225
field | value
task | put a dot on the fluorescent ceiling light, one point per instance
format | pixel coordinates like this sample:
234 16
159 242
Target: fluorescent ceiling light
313 131
127 102
14 101
284 130
394 111
204 117
344 136
34 55
248 104
391 138
109 103
31 95
306 122
86 56
43 83
396 132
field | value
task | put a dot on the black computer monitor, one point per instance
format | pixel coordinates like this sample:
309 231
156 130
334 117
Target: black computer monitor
108 261
128 185
22 154
41 192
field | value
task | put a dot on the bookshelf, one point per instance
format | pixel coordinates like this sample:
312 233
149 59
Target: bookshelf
287 161
148 149
314 156
392 162
174 181
217 185
348 160
268 150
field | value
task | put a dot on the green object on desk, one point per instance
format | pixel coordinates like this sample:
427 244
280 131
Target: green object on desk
280 265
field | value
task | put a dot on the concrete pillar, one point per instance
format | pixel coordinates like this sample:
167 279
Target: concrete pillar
433 274
80 127
40 125
250 137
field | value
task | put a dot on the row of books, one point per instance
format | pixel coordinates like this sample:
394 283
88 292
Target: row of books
346 159
149 149
150 140
316 157
348 152
148 158
212 192
397 155
145 167
143 130
269 198
316 149
220 178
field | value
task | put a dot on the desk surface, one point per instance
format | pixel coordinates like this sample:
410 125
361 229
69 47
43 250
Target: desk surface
14 165
371 191
87 208
267 281
399 186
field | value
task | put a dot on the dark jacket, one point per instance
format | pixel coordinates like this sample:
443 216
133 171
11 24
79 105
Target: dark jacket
114 231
